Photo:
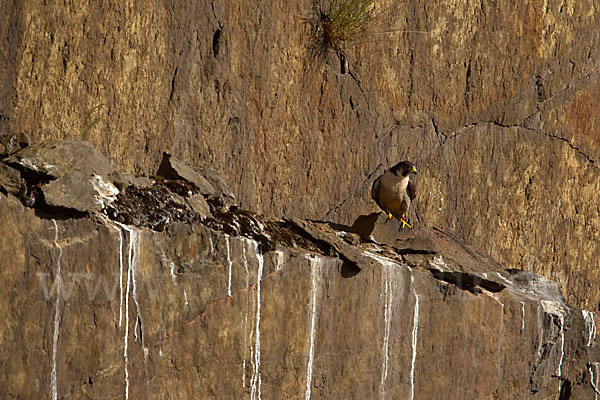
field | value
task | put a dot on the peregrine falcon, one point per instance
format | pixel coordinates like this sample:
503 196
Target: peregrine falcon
393 191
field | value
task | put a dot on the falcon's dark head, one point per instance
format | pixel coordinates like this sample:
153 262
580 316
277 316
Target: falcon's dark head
404 168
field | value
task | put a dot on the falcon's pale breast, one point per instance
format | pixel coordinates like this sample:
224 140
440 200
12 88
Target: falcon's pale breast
392 193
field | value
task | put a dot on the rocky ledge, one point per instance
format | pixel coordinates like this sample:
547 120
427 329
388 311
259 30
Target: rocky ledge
160 287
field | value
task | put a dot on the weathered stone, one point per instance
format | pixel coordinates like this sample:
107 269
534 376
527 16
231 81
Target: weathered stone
195 305
13 142
154 207
10 180
415 244
498 103
122 180
303 139
59 158
80 192
199 205
217 182
331 243
172 168
377 227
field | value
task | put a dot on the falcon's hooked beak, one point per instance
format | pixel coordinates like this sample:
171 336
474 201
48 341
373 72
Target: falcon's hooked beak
413 170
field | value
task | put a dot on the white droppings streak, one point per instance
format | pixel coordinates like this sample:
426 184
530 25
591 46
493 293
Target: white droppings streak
388 298
244 374
540 326
380 259
229 263
106 192
133 242
172 270
439 263
594 378
279 260
131 285
415 331
245 261
523 316
120 276
389 266
185 297
53 379
562 346
315 272
256 379
590 326
499 275
127 328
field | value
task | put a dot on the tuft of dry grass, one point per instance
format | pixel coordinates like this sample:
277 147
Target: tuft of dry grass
342 23
89 125
345 22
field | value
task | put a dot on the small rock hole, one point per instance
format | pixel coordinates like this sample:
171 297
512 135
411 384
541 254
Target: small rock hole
217 42
343 64
349 270
565 390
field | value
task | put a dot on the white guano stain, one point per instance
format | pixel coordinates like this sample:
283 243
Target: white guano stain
415 331
562 346
120 275
523 316
590 326
106 192
131 287
594 378
126 338
256 378
133 245
229 264
172 271
279 260
53 375
245 262
315 272
389 284
210 243
388 298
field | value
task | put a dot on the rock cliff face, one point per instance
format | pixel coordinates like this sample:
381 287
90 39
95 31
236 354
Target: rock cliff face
228 304
497 104
233 85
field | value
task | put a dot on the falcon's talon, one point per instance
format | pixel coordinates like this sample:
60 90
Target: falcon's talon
404 223
390 216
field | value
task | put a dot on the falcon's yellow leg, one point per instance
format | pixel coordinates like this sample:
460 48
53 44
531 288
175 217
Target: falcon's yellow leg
389 215
404 222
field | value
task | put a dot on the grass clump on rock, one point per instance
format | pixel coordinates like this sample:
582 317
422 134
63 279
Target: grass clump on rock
345 22
342 23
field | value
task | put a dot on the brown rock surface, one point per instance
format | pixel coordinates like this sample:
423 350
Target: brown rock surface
13 142
80 192
496 103
10 180
192 312
172 168
234 86
59 158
